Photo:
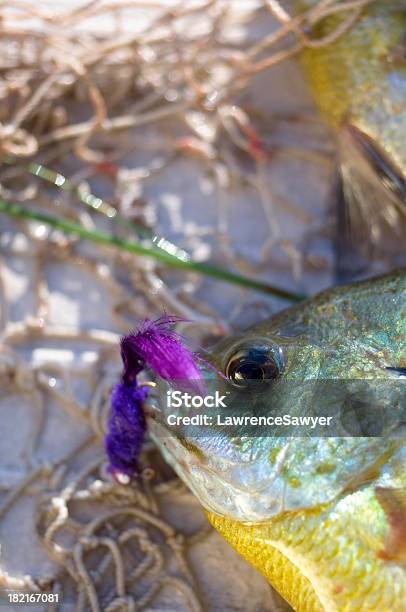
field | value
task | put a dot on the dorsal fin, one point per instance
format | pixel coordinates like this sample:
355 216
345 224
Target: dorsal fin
371 200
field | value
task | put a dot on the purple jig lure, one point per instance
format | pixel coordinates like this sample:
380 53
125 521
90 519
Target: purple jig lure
158 346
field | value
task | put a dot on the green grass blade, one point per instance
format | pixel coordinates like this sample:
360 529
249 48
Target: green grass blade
101 206
22 212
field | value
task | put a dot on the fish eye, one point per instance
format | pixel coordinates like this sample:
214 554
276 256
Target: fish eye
253 364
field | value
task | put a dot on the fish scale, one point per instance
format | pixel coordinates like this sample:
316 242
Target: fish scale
356 78
326 559
323 518
358 81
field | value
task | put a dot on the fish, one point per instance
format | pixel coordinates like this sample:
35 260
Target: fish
358 82
321 514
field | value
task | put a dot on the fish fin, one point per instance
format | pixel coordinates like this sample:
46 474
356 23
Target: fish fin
372 204
393 503
351 260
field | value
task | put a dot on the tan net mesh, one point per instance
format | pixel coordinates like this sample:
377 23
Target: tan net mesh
128 99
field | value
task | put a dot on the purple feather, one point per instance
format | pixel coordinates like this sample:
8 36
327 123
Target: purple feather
159 347
126 428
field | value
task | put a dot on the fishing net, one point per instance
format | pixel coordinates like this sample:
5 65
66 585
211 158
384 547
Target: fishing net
163 116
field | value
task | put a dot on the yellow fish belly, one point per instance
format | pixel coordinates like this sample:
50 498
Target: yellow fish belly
329 559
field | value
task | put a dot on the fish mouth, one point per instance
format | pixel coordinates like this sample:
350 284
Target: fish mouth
217 483
216 494
253 479
198 477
